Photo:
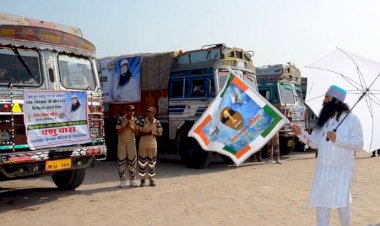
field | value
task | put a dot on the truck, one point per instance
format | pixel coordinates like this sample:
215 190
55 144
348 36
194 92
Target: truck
41 63
311 118
280 84
188 82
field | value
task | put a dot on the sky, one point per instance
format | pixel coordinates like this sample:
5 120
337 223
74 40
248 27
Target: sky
278 31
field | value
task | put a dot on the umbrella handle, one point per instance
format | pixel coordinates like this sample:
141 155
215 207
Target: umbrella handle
327 139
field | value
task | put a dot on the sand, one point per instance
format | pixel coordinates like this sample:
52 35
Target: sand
253 194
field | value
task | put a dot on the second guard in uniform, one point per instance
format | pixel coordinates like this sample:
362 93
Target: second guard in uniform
149 129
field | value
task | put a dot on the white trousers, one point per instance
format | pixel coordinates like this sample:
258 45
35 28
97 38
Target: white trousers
323 216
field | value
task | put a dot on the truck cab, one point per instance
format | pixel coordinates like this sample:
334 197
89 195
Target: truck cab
280 84
196 77
47 58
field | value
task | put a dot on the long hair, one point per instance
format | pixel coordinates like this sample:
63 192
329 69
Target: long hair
329 109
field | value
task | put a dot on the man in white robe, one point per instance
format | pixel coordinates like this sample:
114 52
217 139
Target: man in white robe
336 163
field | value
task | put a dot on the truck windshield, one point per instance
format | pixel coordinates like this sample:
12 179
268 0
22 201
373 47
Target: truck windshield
251 80
247 77
76 73
286 93
20 67
222 79
299 93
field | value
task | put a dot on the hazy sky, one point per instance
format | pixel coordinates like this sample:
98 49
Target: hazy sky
278 31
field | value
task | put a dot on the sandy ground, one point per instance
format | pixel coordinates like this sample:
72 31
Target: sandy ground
253 194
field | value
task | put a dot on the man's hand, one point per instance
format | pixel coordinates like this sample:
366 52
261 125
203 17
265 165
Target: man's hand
331 135
296 129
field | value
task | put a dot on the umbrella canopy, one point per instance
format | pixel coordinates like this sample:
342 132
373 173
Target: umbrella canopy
360 78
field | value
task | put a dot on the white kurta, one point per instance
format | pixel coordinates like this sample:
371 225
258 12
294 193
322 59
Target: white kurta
336 163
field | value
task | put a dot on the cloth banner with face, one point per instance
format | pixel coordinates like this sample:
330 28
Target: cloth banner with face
56 118
121 79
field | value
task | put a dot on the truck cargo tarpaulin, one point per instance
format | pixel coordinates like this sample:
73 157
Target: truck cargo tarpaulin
238 122
121 79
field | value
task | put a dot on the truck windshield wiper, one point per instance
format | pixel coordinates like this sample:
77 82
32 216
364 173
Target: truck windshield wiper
22 61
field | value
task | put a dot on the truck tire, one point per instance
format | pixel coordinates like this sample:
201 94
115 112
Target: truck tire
226 159
299 146
69 180
287 145
192 154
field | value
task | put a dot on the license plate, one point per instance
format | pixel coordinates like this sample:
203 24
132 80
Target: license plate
290 143
55 165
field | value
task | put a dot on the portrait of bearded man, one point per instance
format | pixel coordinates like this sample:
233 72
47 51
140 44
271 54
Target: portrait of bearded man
126 87
76 111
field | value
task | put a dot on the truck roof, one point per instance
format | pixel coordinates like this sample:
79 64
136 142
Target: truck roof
277 69
8 19
20 31
278 73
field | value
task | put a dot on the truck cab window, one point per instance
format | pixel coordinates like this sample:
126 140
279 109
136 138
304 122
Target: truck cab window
222 77
299 94
239 54
265 94
20 67
211 87
286 93
76 73
176 88
198 88
251 80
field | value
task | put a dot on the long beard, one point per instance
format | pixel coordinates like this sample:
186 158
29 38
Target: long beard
124 78
326 113
75 107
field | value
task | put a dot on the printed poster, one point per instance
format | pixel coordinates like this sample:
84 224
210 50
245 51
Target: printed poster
121 79
238 123
55 118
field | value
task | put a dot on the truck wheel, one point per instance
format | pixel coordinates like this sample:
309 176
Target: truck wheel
192 154
299 146
287 145
226 159
69 180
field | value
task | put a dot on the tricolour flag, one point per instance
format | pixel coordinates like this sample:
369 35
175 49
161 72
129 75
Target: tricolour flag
238 123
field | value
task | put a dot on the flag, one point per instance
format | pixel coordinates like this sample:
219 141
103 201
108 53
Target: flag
238 123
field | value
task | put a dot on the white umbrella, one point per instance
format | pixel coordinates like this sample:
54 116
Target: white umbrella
357 75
